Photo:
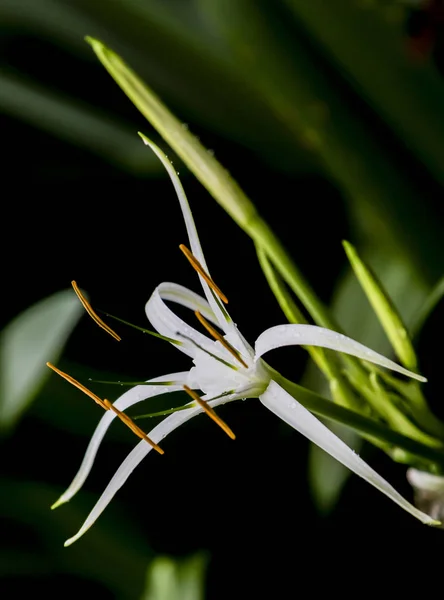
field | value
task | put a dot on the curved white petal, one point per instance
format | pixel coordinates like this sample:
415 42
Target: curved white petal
429 492
179 294
427 482
129 398
282 404
136 456
193 237
223 318
163 319
312 335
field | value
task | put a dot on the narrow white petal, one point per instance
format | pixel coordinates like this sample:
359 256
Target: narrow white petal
223 318
282 404
193 237
129 398
312 335
179 294
163 319
136 456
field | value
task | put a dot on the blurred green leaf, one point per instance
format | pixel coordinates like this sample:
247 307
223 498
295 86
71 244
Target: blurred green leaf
35 336
368 44
303 93
114 552
59 20
75 122
327 477
430 303
383 307
171 579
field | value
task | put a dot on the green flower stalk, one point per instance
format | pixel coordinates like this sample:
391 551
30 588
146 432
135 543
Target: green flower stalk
226 368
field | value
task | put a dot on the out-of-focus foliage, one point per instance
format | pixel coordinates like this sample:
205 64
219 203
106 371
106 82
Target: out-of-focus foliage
170 579
335 132
26 343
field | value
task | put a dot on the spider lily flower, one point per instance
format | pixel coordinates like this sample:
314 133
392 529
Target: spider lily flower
225 368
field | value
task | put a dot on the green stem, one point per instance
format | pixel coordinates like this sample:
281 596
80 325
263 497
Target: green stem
363 425
290 309
325 360
415 402
265 238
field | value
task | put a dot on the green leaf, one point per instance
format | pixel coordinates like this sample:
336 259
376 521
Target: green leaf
430 303
357 36
327 477
75 122
114 553
34 337
301 92
385 310
170 579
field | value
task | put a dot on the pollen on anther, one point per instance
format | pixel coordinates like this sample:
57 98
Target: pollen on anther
198 267
94 316
131 425
78 385
210 412
106 405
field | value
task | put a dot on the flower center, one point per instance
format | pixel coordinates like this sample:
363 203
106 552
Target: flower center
215 377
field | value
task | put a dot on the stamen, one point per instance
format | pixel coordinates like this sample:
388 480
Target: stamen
106 405
134 428
94 316
210 412
78 385
221 360
198 267
217 336
131 383
161 413
143 329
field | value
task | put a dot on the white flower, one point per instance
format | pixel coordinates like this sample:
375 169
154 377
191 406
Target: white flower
429 492
226 372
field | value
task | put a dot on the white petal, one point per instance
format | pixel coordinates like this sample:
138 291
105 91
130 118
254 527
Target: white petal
429 492
427 482
223 318
312 335
193 237
129 398
136 456
179 294
163 319
282 404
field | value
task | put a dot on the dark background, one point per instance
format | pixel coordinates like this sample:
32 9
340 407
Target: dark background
71 211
